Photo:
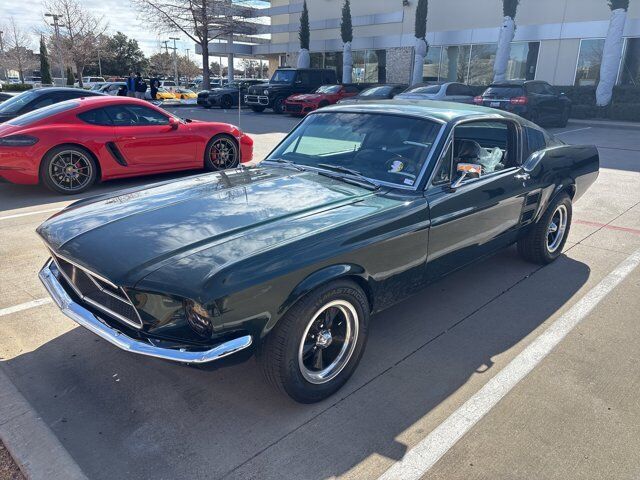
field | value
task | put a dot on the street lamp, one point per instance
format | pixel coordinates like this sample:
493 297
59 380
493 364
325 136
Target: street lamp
56 28
175 60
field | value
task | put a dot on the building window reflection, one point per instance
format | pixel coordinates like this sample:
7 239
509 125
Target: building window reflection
589 61
630 70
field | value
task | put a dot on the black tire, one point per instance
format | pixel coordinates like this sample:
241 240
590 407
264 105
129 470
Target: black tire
81 176
278 105
222 162
542 245
281 353
257 109
226 102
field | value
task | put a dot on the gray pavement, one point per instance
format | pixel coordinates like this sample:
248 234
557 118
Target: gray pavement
575 416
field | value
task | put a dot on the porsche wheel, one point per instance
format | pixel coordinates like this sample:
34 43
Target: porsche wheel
317 345
546 239
222 153
68 170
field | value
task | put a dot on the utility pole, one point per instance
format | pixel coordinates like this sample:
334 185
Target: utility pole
56 28
4 70
175 60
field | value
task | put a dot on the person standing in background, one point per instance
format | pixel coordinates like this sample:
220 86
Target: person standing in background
140 86
155 84
131 85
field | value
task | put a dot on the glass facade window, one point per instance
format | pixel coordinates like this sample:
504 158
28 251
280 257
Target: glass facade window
431 68
369 66
630 72
589 61
483 58
473 64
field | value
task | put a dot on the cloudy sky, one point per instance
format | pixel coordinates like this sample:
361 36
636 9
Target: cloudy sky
119 15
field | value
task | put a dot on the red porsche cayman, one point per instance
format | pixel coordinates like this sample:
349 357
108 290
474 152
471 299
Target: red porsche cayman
71 145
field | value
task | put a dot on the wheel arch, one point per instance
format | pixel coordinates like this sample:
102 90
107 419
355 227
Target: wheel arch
344 271
567 186
75 145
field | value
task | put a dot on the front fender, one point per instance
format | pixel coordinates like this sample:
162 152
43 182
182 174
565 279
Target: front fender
320 277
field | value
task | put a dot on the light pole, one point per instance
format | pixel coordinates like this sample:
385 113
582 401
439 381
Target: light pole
4 70
175 60
56 29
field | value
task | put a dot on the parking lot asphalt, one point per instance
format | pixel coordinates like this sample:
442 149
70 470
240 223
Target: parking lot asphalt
576 414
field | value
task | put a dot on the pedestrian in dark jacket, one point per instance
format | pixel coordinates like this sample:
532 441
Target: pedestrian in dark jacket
140 86
131 85
155 85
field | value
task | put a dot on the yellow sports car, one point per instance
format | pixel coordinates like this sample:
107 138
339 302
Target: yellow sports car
164 94
185 94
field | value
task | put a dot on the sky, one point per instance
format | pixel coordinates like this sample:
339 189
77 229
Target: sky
119 15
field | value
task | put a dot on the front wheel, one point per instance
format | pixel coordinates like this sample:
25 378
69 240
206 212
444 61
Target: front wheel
317 345
544 242
257 109
278 105
226 103
68 170
222 153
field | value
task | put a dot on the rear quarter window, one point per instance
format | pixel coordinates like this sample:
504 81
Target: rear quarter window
535 140
503 92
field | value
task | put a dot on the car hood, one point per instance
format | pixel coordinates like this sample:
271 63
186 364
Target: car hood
222 90
126 236
417 96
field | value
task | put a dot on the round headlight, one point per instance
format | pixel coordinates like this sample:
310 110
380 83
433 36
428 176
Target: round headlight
198 319
266 92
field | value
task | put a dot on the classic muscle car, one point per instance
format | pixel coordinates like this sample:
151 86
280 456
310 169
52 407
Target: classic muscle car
357 208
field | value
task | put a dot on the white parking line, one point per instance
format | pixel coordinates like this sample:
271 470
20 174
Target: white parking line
418 460
572 131
24 306
37 212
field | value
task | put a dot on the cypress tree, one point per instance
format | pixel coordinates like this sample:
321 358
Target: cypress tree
45 68
304 33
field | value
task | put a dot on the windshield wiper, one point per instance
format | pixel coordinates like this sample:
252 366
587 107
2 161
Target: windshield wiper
350 171
287 162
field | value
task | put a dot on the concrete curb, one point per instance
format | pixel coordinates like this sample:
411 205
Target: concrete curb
605 123
31 443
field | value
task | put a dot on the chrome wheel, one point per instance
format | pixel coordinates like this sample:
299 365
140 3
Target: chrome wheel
71 170
223 153
557 228
328 342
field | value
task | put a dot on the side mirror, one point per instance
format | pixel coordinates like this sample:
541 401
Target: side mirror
173 123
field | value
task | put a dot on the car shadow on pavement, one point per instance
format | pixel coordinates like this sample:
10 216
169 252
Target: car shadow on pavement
123 416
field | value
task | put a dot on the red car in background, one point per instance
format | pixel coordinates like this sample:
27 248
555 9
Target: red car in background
70 145
322 97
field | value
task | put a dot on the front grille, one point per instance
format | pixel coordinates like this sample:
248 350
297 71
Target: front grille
99 293
294 107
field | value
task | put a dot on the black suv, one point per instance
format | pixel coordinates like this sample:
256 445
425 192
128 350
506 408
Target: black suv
227 96
532 99
38 98
286 82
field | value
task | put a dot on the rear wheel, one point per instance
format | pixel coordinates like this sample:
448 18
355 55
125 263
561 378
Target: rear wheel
257 109
317 345
222 153
68 170
546 239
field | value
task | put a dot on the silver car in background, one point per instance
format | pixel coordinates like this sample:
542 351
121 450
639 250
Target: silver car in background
446 92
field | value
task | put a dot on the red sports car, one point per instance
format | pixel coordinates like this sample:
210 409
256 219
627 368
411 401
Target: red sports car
301 104
70 145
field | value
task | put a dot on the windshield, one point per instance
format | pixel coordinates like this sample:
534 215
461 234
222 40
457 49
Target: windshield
14 104
329 89
382 147
283 76
44 112
376 91
431 89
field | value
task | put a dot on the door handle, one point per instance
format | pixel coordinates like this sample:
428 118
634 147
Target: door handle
523 176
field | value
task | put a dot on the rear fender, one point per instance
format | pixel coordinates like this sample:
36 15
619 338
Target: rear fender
566 168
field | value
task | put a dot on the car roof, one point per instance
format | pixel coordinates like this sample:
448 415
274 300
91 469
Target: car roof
42 91
439 111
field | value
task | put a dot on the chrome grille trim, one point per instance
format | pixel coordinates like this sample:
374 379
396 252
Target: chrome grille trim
95 279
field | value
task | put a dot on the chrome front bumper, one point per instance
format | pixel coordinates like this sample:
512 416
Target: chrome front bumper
261 100
90 321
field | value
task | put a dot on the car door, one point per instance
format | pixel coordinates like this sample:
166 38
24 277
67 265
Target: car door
146 139
477 216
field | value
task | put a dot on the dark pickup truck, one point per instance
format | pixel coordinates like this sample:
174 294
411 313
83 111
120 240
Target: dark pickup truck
286 82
